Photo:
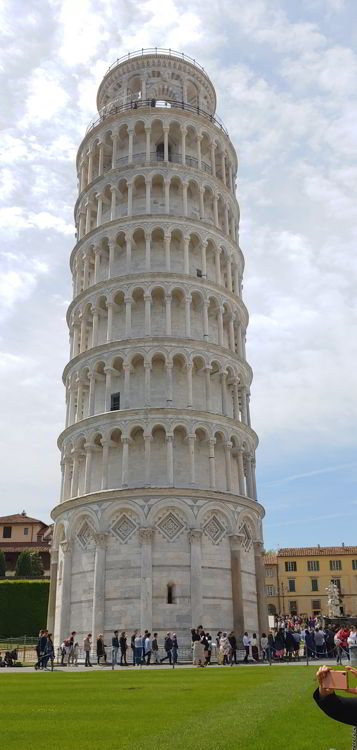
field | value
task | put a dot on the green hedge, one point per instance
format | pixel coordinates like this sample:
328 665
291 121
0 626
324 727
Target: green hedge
23 607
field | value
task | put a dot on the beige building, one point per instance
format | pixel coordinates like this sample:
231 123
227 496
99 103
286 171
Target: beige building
18 532
296 579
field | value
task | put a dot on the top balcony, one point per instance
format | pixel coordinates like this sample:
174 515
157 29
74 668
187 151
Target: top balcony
117 107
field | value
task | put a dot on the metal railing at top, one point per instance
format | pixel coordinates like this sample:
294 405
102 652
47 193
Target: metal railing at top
155 51
115 108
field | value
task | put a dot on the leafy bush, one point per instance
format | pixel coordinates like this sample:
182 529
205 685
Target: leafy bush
24 565
29 565
23 607
37 565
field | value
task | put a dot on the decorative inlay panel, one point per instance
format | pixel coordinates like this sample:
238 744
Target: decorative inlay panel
85 535
246 536
170 526
124 527
214 529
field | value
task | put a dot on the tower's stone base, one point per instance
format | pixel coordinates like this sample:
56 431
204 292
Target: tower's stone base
160 559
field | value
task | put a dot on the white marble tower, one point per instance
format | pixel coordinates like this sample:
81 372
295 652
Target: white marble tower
158 524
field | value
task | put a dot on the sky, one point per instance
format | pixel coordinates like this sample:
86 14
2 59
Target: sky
286 78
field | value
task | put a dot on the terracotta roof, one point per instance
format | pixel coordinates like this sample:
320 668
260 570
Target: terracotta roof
270 560
316 551
19 518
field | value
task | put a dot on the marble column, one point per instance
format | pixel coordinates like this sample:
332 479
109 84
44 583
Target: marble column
170 460
128 253
115 136
261 597
146 539
241 473
89 448
147 442
167 241
191 450
52 593
188 316
186 260
148 251
168 299
98 613
183 144
147 384
212 464
125 462
112 246
105 463
196 578
237 589
148 144
227 454
65 590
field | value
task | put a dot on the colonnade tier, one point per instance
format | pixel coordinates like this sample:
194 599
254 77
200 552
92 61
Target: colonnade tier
152 192
157 310
150 247
132 137
157 452
158 377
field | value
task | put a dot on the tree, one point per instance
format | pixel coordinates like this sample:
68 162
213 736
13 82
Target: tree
2 564
24 565
37 565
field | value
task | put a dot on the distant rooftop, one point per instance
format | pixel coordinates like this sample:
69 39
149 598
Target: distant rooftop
20 518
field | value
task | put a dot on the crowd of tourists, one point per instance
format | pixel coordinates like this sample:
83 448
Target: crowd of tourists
287 641
293 635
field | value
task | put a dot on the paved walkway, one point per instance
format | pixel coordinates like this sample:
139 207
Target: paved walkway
154 667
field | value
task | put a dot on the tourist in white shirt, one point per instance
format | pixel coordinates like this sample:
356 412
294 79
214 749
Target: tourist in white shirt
352 638
246 644
148 648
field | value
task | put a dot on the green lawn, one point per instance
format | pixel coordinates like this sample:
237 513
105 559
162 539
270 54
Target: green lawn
258 708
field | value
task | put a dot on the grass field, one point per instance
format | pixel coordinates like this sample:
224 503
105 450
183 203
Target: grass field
259 708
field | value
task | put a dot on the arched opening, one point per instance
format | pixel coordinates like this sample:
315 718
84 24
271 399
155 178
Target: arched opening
160 151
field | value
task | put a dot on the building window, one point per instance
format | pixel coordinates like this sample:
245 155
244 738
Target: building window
354 564
199 273
115 402
337 582
6 533
26 532
313 565
271 609
170 593
316 606
293 608
335 565
269 572
270 590
314 584
290 566
291 584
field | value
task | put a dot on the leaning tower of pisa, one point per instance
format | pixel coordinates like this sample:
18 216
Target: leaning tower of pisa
157 524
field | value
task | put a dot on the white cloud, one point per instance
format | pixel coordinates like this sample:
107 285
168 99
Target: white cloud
45 99
15 219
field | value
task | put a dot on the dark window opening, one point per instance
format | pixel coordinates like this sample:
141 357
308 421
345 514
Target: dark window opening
199 273
170 593
26 531
6 532
160 152
115 402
